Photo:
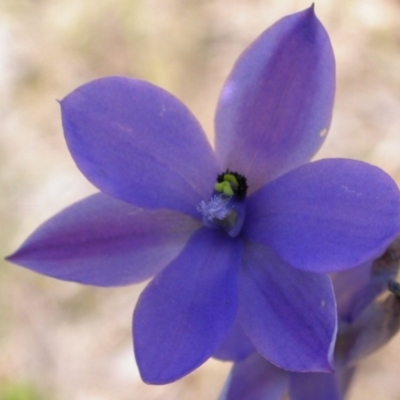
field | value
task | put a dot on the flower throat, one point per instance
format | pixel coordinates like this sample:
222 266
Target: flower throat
226 208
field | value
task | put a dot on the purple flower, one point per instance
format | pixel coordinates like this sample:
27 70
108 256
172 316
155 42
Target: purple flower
365 324
242 236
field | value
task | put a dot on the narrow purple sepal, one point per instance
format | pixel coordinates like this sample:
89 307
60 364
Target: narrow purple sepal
105 242
185 312
288 314
138 143
275 109
317 386
326 216
254 379
236 346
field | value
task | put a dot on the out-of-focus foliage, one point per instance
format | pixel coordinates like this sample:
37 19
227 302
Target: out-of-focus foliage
19 391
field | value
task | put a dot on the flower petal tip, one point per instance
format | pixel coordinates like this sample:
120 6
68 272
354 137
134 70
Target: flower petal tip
159 379
14 257
330 364
9 258
327 365
324 366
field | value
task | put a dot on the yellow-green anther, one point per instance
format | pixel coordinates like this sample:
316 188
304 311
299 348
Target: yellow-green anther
231 178
224 187
219 186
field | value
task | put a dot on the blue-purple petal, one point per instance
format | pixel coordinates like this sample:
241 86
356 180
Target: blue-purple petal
288 314
185 312
105 242
328 215
255 379
318 386
276 106
236 346
138 143
353 290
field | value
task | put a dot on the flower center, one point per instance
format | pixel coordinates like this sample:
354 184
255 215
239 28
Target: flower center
226 209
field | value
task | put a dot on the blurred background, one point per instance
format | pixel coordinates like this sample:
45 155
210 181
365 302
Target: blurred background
62 341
